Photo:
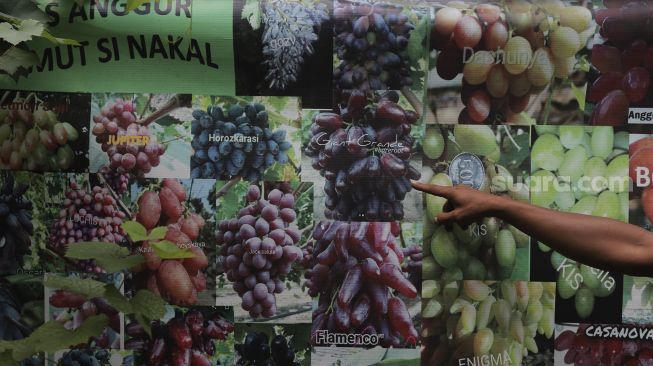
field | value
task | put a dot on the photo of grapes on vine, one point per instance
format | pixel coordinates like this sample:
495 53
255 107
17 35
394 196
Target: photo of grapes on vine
582 170
363 276
71 309
21 304
260 230
79 208
44 132
467 322
253 138
621 60
198 336
142 135
172 227
22 231
497 159
379 45
517 62
263 344
362 156
284 47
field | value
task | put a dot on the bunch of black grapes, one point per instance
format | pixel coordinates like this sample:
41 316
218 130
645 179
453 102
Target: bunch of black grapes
363 152
257 350
85 357
370 44
234 142
15 224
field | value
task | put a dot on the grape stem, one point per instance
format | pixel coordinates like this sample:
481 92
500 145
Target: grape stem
225 188
114 195
146 106
510 137
175 102
297 191
173 139
4 97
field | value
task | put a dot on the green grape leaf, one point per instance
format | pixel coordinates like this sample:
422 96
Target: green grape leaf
252 13
22 32
117 300
16 58
168 250
145 323
414 49
109 256
23 9
158 233
135 230
52 337
149 304
83 286
6 359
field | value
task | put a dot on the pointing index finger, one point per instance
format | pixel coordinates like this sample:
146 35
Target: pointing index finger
442 191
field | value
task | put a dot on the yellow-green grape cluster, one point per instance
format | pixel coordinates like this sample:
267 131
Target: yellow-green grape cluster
471 319
480 252
35 141
582 170
507 52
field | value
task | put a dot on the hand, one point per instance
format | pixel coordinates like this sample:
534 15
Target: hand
464 205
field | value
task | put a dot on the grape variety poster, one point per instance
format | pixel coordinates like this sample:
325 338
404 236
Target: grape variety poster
229 183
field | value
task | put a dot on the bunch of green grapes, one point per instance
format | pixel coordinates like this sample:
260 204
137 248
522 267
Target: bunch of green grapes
507 53
582 170
488 251
475 320
35 141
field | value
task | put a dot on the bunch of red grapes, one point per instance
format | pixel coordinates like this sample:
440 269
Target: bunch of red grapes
117 119
624 61
258 248
413 265
355 269
506 53
363 152
583 350
641 156
178 281
78 308
87 216
187 339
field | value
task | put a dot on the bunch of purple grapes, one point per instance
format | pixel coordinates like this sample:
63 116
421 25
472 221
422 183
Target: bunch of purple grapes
355 269
187 339
117 180
87 216
363 152
258 248
137 157
370 44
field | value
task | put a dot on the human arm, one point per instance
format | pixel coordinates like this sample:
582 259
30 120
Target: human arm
596 241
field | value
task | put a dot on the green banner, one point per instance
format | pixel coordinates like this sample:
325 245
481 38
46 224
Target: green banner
178 46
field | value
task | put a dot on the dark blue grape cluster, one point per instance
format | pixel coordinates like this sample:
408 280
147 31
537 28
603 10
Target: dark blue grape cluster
235 141
85 357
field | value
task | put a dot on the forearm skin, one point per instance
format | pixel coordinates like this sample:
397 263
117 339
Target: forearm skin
596 241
